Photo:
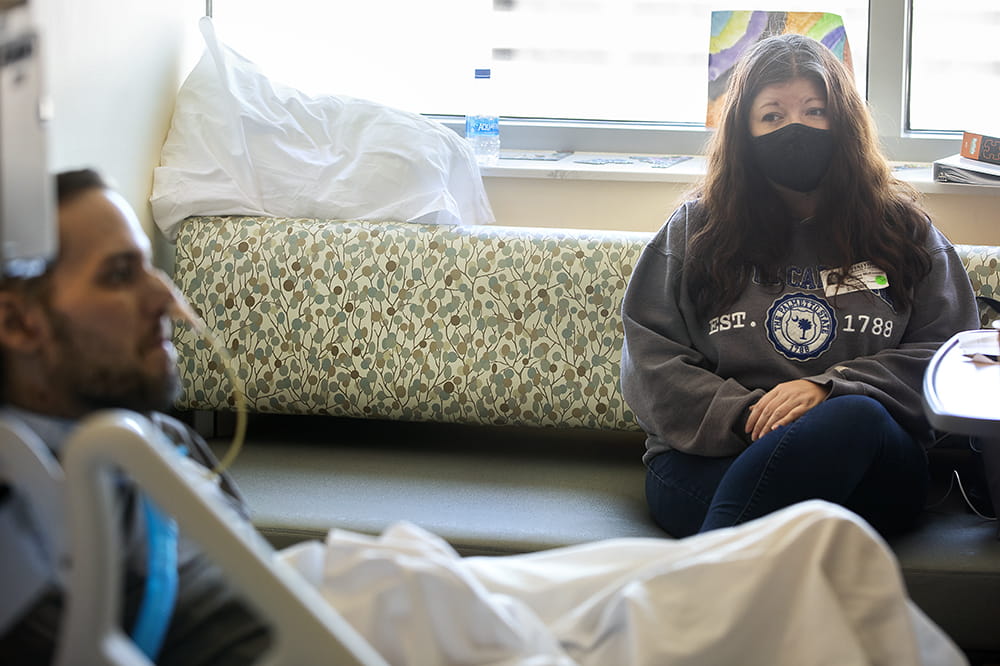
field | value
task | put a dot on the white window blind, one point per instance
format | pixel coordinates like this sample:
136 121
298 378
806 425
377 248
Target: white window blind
955 69
615 60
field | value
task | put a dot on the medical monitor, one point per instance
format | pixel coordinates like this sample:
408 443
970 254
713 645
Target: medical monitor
28 235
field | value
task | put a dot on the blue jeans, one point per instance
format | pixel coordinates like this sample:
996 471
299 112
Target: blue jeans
847 450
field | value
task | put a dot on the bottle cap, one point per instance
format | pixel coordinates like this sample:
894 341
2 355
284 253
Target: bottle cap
483 73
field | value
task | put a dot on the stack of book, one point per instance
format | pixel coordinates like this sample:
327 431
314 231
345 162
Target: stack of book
977 163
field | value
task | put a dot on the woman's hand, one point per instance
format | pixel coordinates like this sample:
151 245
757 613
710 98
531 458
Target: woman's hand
782 405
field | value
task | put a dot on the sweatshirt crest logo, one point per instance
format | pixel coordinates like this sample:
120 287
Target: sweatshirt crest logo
801 326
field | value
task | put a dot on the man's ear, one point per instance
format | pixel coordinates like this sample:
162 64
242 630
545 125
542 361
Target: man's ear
22 324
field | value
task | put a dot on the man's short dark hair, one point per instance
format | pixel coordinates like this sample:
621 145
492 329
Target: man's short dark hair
71 183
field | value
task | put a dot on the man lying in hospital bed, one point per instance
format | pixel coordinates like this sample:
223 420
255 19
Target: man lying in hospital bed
810 584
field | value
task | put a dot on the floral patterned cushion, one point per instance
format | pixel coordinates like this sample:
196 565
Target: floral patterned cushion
489 325
981 263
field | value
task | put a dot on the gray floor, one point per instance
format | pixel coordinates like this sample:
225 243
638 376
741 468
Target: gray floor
467 484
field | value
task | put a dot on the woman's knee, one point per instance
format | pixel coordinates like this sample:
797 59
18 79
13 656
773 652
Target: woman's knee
673 510
852 421
679 489
856 408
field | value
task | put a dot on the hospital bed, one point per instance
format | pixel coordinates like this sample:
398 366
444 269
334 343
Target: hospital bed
78 494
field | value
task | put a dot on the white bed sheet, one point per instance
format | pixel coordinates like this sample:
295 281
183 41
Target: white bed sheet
811 584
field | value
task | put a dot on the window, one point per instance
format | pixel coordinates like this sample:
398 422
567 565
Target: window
586 75
638 60
594 60
955 69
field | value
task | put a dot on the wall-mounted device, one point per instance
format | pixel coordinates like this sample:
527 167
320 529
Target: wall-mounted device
28 235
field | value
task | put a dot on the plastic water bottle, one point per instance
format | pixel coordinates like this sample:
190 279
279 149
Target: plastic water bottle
482 128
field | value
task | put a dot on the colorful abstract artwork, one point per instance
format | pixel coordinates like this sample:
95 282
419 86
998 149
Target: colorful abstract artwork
733 32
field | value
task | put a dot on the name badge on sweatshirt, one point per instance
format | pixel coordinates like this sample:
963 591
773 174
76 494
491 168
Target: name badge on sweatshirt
863 275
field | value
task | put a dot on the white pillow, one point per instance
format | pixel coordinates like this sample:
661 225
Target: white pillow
240 144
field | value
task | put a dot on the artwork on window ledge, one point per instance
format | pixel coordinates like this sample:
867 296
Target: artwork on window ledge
733 32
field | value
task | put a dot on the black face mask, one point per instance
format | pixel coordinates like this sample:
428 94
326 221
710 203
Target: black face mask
796 156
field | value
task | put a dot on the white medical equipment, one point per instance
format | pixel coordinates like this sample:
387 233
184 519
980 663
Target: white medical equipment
27 225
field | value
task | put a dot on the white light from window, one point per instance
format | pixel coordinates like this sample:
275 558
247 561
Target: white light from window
626 60
955 72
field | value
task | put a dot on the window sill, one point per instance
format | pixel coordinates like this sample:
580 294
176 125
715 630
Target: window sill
649 168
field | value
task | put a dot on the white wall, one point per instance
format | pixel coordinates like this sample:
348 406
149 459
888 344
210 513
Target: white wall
112 69
973 219
645 206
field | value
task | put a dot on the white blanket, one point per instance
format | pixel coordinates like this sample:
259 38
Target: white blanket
811 584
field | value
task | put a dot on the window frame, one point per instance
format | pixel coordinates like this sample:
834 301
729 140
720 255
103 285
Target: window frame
889 29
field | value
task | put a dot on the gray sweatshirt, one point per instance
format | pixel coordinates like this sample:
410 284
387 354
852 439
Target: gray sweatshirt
690 380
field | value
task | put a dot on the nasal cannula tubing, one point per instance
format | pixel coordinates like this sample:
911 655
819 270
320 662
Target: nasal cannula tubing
183 311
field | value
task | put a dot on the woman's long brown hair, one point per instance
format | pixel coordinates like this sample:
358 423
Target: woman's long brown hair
865 213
